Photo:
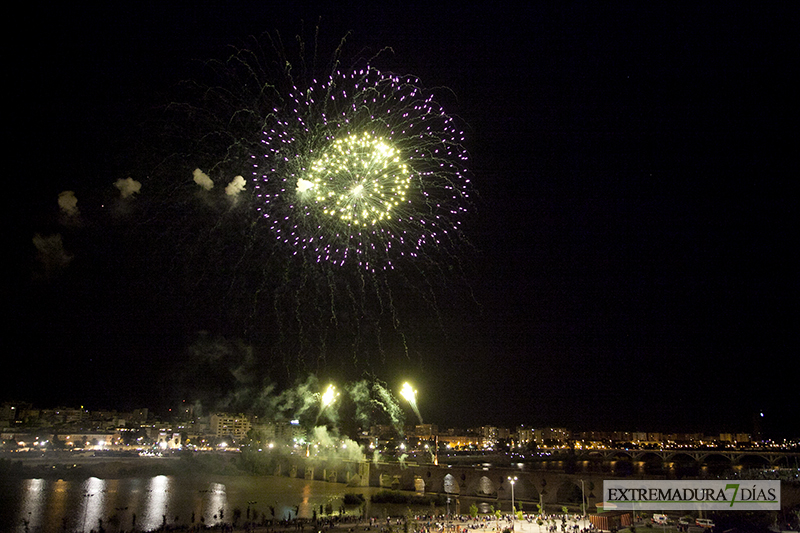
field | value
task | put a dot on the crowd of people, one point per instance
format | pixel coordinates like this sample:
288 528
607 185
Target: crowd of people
552 523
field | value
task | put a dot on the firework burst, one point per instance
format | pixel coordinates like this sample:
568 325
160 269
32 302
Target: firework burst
342 220
364 167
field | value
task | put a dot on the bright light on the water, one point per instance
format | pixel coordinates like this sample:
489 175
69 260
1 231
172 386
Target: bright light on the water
216 501
156 503
94 494
32 502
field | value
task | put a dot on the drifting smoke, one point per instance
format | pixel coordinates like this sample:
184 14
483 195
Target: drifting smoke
51 255
299 402
128 187
202 179
370 397
334 446
225 375
68 203
235 187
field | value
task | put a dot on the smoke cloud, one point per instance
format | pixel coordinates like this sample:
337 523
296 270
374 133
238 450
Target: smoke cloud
68 203
223 375
235 187
51 254
202 179
128 187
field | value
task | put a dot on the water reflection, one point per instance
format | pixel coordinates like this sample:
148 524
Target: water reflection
304 506
147 503
57 501
155 509
32 502
214 504
94 492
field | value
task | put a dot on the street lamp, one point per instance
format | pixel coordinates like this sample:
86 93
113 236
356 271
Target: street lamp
583 499
513 480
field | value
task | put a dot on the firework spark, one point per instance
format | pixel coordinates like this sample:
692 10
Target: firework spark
327 398
410 395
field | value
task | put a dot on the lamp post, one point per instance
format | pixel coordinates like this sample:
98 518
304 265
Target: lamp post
513 480
583 499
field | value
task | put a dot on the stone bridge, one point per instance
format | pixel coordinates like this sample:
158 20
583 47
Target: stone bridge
490 484
733 457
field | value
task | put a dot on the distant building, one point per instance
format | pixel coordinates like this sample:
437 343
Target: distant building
426 431
264 432
382 431
290 432
224 424
546 436
138 416
90 440
167 440
523 435
459 442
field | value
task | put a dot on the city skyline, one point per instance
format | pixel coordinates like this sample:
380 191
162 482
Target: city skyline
20 417
617 249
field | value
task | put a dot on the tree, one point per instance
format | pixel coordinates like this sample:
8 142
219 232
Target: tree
56 443
473 510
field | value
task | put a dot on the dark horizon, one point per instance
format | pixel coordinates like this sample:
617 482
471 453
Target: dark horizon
629 255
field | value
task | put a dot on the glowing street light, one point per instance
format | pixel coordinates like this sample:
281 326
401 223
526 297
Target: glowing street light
583 499
513 480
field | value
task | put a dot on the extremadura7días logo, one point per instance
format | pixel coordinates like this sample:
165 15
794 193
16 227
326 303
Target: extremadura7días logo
731 495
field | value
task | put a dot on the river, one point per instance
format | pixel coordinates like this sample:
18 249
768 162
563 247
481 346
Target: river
50 506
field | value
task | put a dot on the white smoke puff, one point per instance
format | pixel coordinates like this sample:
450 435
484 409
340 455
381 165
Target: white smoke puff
235 186
336 447
202 179
128 187
352 450
68 203
321 436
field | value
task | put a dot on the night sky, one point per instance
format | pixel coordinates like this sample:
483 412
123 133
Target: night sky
632 260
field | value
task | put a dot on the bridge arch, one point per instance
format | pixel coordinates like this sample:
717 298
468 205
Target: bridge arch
451 484
569 492
753 461
612 455
651 462
710 458
526 491
681 457
482 486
